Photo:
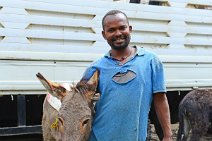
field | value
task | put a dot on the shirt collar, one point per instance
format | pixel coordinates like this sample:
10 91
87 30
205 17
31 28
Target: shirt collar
139 51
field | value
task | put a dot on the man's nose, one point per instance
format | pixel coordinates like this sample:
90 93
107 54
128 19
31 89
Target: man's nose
118 33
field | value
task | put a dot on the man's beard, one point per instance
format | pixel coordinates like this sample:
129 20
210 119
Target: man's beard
121 47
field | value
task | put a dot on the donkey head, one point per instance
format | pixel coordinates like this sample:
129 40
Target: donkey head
73 120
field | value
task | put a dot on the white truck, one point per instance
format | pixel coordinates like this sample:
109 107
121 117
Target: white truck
61 38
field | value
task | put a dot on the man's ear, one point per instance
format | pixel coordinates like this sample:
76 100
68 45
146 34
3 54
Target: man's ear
130 28
103 34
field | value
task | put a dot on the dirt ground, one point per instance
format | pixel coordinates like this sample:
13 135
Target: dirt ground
154 136
175 127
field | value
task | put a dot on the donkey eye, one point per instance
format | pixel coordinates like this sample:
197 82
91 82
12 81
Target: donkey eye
60 90
85 122
57 90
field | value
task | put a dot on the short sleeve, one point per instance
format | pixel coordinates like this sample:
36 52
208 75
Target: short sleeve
89 71
158 78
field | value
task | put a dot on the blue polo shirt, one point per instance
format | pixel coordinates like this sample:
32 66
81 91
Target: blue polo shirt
126 95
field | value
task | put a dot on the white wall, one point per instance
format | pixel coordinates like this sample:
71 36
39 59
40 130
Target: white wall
61 38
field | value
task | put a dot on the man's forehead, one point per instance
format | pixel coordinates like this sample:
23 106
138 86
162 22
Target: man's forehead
118 16
110 20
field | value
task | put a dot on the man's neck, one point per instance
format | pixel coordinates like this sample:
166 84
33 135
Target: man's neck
121 54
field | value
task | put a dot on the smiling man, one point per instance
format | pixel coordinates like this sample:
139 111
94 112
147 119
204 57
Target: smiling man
130 79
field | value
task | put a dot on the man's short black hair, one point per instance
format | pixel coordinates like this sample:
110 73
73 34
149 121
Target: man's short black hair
113 12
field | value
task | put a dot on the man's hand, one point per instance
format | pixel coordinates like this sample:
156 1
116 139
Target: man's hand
167 138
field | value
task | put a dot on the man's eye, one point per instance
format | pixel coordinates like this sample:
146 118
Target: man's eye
110 30
123 28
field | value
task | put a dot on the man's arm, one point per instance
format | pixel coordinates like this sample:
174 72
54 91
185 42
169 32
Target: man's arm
163 114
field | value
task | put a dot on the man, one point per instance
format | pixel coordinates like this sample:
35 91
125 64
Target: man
130 77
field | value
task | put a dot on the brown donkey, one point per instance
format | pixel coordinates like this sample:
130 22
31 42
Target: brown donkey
195 115
67 111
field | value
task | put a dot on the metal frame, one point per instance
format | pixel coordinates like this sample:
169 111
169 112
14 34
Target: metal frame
21 128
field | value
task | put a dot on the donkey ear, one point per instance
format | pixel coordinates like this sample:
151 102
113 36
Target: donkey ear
46 83
49 86
94 79
88 86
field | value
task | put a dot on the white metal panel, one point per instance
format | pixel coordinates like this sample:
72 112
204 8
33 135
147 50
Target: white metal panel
61 38
22 74
188 75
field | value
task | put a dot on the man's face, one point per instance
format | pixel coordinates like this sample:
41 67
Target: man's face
117 31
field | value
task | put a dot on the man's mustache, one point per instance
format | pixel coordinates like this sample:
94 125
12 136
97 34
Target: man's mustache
120 37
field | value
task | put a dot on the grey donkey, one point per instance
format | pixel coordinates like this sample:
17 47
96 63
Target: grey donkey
67 111
195 115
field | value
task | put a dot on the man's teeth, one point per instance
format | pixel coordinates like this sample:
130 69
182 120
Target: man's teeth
119 39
